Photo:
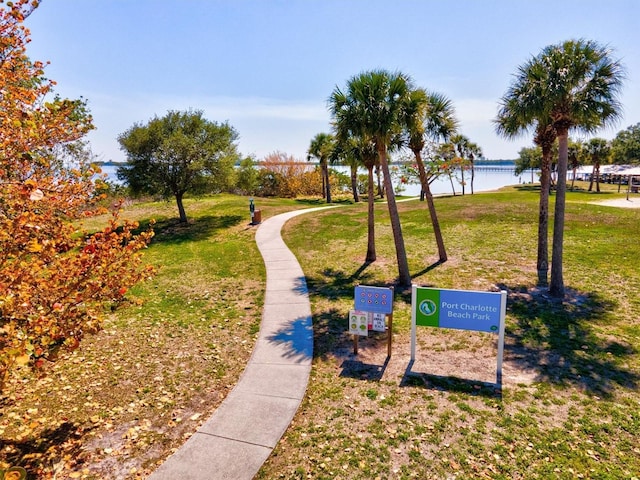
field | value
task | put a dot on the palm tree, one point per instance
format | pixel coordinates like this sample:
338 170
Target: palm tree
575 153
598 150
466 150
428 115
361 151
572 85
321 147
371 107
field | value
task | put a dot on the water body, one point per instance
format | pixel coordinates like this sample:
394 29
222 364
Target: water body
486 178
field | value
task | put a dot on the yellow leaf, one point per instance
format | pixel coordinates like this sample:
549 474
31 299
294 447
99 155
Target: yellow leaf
22 360
34 246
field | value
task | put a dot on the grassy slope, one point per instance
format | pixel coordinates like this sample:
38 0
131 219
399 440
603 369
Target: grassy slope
569 406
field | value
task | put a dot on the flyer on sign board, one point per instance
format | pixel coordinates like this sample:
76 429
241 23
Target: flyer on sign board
358 323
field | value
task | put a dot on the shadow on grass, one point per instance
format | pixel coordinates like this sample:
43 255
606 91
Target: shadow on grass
558 340
321 202
47 448
428 269
335 284
363 371
449 383
172 231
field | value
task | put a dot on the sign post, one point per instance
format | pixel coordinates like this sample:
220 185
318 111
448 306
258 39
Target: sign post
376 302
460 309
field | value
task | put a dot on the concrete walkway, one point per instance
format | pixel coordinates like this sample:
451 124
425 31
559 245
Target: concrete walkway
237 439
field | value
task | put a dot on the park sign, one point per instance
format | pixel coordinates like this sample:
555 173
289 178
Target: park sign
459 309
374 299
374 304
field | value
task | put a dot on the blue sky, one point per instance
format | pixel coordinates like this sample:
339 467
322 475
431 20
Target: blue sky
269 66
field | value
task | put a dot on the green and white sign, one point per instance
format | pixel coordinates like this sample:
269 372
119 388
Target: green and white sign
359 323
460 309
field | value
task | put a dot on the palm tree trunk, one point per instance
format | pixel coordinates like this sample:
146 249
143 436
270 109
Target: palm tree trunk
597 166
593 175
473 175
354 183
462 178
371 237
426 190
543 218
326 182
404 278
380 189
556 287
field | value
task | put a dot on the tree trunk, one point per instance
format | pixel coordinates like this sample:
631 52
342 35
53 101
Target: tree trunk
462 178
181 211
354 183
597 177
453 188
326 181
543 218
371 237
380 189
426 190
404 278
556 287
473 175
593 175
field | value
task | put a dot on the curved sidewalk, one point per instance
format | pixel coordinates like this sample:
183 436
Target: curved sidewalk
240 435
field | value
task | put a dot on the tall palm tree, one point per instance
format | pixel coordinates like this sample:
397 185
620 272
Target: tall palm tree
321 148
428 115
372 106
362 151
575 154
467 151
598 150
572 85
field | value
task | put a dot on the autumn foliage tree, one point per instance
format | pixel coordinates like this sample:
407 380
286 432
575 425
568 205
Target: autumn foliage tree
55 278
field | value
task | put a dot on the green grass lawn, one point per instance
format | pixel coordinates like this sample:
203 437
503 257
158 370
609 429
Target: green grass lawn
569 406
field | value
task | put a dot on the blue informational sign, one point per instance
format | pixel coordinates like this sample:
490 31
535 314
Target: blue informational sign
374 299
462 309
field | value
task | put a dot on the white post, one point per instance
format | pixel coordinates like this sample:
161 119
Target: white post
413 321
503 310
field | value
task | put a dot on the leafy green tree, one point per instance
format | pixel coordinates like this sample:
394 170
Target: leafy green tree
178 153
321 148
428 116
625 148
529 158
247 177
372 106
598 151
572 85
